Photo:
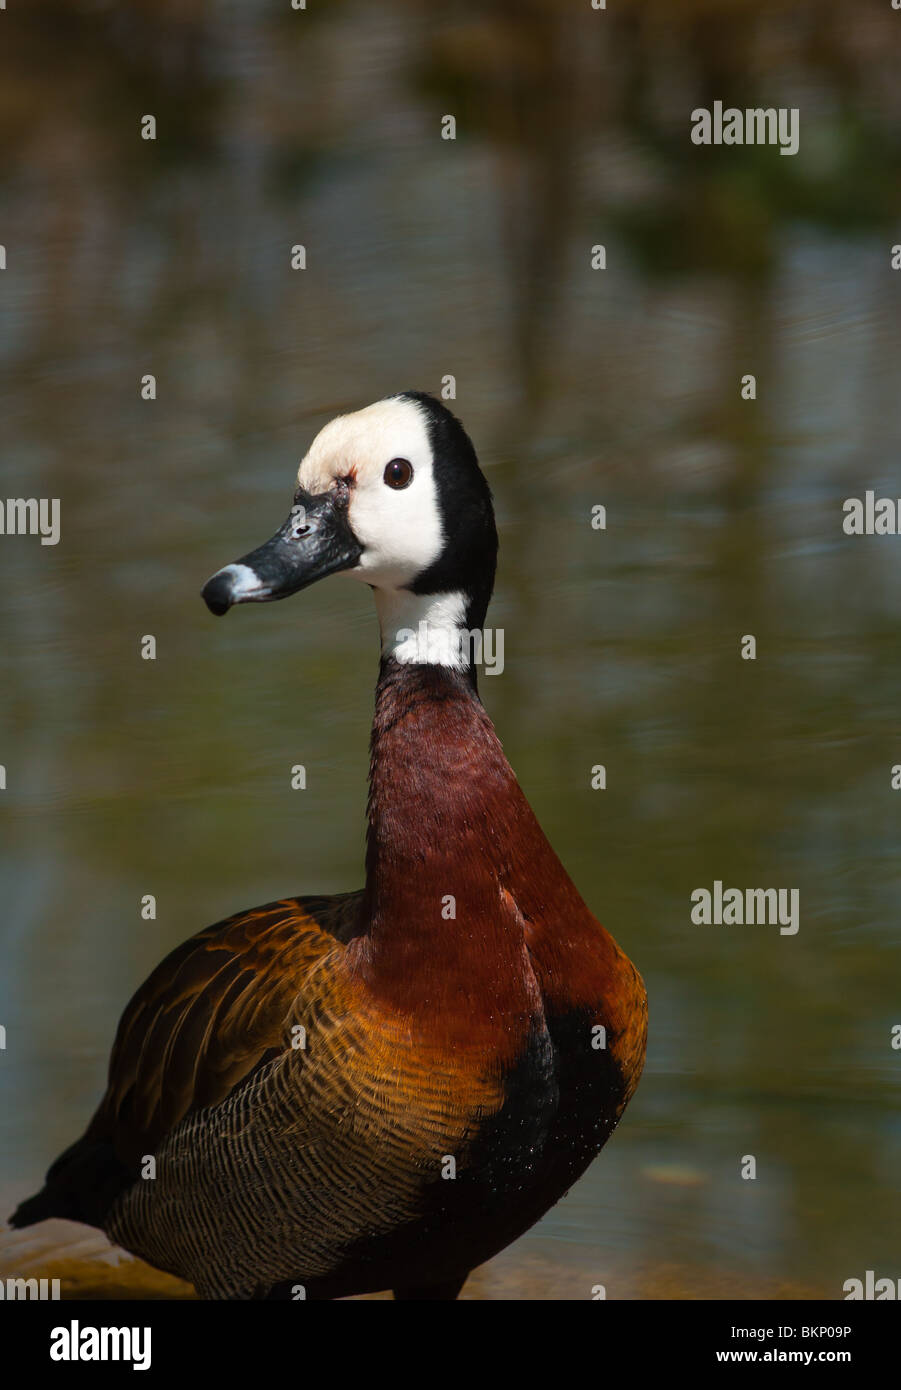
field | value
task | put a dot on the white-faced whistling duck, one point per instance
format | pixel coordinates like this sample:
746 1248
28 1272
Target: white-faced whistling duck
452 1086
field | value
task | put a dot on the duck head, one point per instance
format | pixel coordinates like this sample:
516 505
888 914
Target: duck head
392 495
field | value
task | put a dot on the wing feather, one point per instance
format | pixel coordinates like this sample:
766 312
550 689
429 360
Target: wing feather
210 1013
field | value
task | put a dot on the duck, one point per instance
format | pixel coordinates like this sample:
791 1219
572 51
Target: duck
374 1091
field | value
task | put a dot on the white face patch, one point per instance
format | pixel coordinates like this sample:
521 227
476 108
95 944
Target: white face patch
424 629
401 530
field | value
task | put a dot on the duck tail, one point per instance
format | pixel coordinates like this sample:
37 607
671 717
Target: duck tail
81 1186
37 1208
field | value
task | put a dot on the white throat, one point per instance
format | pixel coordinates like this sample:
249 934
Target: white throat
424 629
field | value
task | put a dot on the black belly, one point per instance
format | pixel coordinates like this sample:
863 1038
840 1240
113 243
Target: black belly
563 1101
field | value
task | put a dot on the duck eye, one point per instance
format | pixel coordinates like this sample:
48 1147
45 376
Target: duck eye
399 473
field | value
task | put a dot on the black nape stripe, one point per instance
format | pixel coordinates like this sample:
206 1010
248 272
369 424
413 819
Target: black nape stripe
468 561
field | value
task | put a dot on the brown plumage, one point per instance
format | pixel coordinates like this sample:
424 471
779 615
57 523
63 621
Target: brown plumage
377 1090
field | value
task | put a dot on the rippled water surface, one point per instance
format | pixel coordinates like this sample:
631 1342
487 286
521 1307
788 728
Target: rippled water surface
428 258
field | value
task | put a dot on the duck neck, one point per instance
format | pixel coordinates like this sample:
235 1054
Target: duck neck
428 630
444 810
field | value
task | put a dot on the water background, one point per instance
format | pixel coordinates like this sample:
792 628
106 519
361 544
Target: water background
579 387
